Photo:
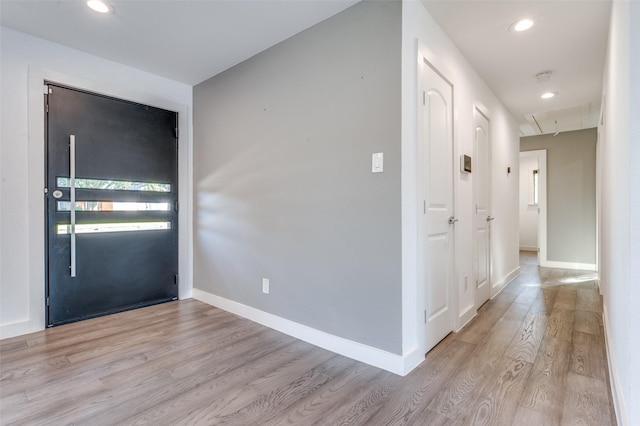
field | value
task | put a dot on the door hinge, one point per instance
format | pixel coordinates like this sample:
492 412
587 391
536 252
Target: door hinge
477 284
47 301
175 206
424 97
46 91
46 190
176 279
425 316
176 132
424 206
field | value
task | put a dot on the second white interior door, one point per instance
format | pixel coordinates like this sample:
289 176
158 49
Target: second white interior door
482 216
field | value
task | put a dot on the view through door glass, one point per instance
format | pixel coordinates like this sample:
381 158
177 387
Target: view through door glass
112 221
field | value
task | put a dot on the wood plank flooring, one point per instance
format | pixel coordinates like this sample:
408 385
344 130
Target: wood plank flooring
534 355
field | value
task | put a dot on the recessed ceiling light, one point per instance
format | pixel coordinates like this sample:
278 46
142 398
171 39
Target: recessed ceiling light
521 25
100 6
548 95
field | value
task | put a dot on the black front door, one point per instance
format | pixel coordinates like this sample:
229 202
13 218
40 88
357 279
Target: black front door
112 221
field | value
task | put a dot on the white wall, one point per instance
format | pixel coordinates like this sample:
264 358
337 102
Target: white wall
419 28
619 156
528 211
26 62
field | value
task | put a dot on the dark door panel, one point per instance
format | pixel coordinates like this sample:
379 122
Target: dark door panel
126 223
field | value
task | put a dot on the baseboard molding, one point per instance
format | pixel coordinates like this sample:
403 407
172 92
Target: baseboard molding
616 393
466 321
568 265
498 286
529 248
18 329
397 364
463 319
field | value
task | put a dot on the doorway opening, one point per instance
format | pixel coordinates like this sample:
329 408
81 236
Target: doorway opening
533 204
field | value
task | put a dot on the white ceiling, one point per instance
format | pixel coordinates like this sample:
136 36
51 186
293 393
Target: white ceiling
568 38
190 41
184 40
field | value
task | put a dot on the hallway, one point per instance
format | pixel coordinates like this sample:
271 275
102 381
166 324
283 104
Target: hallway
540 355
534 355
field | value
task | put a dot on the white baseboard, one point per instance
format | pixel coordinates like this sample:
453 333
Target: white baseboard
467 315
498 286
464 321
568 265
18 329
616 392
397 364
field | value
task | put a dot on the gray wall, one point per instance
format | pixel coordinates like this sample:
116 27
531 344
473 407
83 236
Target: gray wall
571 193
284 189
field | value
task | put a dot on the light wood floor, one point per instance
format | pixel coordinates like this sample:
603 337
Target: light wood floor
533 356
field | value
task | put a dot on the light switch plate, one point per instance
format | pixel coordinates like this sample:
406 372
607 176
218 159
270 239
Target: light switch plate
377 162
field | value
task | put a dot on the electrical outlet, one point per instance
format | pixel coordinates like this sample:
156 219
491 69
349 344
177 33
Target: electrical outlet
265 286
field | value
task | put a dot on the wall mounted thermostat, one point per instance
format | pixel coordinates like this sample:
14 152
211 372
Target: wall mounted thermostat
465 164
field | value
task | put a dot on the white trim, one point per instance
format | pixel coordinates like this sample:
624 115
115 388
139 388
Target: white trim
409 209
18 328
35 276
616 393
498 286
463 324
510 277
396 364
470 314
568 265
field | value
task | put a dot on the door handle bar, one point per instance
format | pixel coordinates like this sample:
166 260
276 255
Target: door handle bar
72 201
452 220
489 218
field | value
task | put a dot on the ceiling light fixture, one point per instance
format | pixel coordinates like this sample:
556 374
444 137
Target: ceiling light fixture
548 95
100 6
521 25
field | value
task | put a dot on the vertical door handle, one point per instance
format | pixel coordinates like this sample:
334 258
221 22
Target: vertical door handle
72 201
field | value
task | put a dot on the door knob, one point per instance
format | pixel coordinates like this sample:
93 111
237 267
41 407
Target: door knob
452 220
489 218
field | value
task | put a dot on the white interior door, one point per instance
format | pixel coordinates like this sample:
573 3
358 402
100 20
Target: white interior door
436 239
482 216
